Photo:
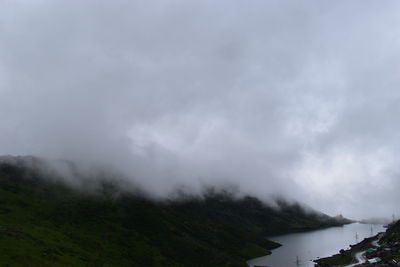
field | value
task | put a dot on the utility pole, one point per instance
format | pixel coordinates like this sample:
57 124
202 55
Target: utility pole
298 261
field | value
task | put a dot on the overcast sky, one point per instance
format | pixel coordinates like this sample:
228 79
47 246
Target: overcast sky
300 98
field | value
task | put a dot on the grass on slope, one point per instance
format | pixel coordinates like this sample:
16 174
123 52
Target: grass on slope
45 223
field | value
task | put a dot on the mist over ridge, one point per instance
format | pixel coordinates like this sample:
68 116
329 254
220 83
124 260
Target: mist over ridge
299 100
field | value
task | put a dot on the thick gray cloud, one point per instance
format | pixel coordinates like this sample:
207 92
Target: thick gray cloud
279 97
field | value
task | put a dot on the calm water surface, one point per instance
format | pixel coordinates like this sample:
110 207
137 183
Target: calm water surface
308 246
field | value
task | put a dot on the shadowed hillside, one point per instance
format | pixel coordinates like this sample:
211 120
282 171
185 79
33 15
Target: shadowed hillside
44 222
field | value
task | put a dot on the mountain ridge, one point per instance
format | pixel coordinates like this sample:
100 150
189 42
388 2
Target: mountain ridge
46 222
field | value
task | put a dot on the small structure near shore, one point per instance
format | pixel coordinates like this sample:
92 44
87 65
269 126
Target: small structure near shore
374 260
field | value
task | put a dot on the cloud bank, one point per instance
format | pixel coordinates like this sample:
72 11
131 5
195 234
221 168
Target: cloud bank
277 97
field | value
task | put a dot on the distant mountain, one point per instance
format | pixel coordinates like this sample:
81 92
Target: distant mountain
44 222
339 218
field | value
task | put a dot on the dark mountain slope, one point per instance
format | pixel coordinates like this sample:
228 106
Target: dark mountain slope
43 222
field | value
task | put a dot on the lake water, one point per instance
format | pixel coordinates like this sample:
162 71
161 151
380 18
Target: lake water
307 246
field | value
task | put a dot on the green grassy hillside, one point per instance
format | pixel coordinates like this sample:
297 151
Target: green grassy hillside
43 222
392 234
